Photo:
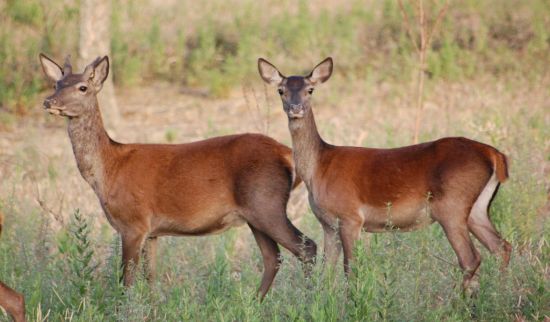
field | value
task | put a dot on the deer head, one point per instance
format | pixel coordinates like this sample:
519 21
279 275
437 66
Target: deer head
75 94
295 91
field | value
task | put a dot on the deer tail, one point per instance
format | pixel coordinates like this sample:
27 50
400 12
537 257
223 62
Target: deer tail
500 165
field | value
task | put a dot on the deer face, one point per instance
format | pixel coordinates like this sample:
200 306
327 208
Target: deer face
295 91
75 94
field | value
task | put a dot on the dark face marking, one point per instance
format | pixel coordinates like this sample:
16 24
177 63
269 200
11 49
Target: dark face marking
295 83
296 92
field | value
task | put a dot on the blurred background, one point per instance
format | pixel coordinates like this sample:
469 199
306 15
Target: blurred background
183 71
213 45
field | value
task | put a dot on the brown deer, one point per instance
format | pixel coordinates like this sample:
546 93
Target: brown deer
199 188
451 181
10 300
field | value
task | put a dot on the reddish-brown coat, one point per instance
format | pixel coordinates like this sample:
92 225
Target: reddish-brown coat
451 181
204 187
10 300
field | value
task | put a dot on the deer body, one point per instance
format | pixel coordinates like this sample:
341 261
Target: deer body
451 181
204 187
174 186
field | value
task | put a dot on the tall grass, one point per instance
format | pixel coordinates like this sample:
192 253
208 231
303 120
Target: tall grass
395 277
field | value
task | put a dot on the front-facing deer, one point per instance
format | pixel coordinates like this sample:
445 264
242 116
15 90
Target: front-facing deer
10 300
199 188
353 188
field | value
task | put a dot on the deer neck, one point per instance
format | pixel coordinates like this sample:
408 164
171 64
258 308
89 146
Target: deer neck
92 147
306 145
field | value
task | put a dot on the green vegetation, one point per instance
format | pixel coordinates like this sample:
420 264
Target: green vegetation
487 79
183 43
396 276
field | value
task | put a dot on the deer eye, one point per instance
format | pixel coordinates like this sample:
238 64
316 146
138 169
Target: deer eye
310 91
280 91
82 88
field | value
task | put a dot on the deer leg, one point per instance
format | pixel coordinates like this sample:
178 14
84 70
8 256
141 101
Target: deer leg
481 226
282 231
489 237
332 245
131 248
468 256
270 253
12 302
149 255
331 240
295 241
350 232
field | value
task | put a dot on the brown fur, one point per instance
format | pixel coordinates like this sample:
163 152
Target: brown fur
10 300
353 188
199 188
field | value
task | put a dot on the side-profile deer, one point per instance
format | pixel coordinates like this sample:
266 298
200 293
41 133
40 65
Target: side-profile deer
10 300
199 188
451 181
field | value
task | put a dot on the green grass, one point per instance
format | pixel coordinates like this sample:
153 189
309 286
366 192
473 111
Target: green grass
395 277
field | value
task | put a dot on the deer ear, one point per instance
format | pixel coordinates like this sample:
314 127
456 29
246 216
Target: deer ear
51 68
98 71
269 73
321 73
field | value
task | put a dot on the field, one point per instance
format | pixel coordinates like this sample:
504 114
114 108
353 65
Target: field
184 74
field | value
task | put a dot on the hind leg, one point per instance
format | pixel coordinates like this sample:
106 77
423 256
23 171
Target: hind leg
264 208
288 236
481 226
274 223
267 213
468 256
452 215
270 253
485 232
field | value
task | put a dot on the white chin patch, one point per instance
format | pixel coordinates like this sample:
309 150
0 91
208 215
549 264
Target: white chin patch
296 115
54 111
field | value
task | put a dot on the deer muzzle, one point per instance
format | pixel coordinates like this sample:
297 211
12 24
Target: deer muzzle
296 111
50 104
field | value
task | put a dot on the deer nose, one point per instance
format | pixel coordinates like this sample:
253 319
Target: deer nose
48 102
296 107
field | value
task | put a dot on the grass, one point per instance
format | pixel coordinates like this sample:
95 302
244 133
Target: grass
396 277
487 79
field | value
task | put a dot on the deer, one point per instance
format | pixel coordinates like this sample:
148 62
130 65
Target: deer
451 181
151 190
10 300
